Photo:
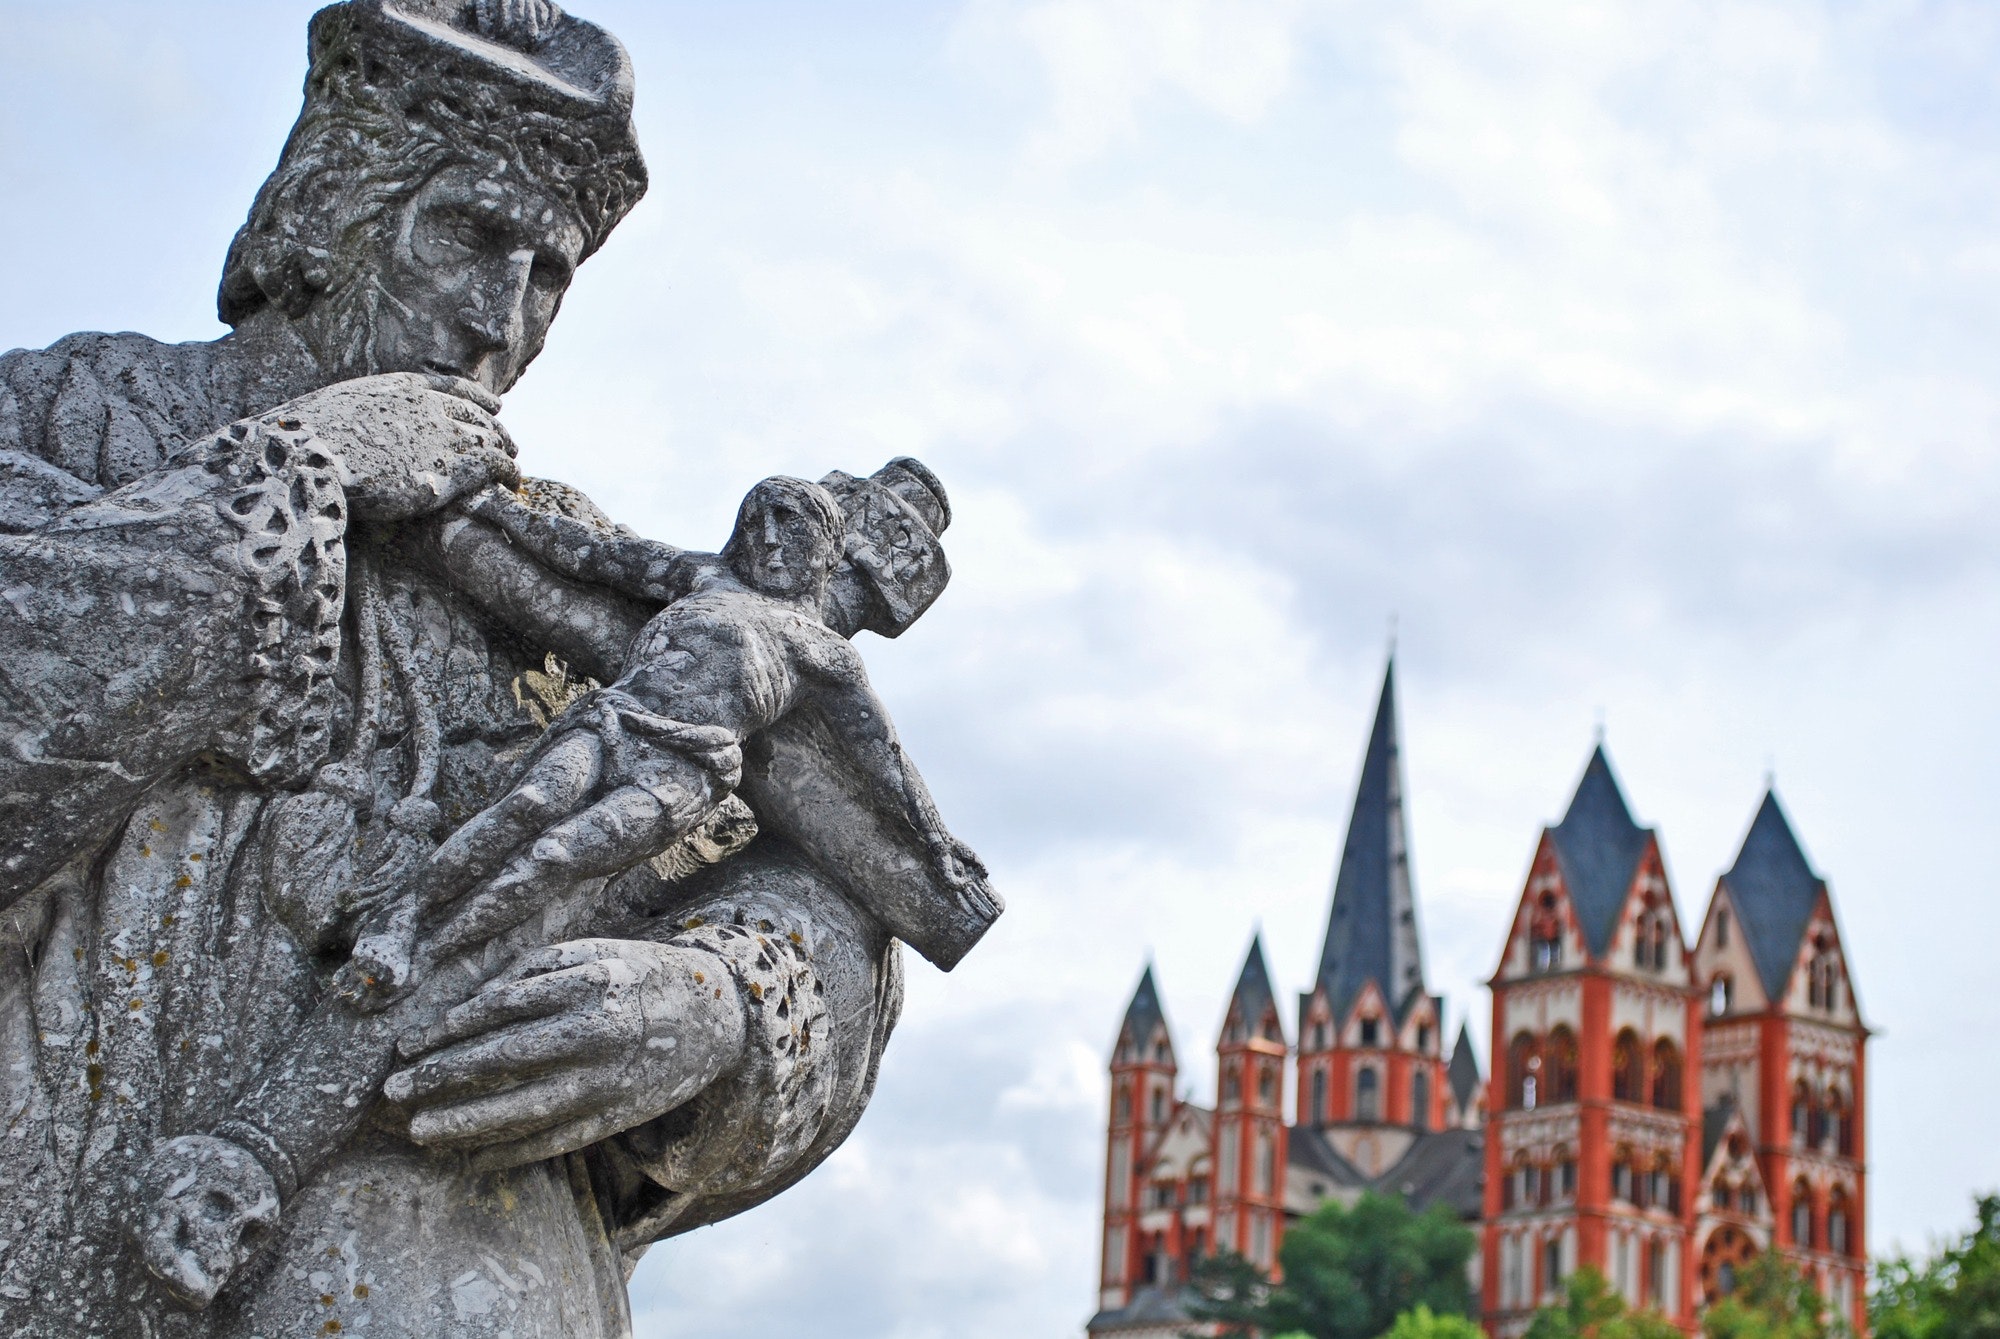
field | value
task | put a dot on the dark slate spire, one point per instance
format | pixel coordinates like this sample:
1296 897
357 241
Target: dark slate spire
1774 891
1464 1069
1143 1015
1599 847
1253 987
1371 933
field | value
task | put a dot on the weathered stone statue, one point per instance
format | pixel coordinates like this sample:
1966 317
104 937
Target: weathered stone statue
365 966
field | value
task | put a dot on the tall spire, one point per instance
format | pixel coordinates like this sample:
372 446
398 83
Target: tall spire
1371 933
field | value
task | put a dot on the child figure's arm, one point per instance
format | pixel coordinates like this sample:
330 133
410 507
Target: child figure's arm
630 564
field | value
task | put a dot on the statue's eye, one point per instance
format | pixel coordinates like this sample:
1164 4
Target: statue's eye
548 273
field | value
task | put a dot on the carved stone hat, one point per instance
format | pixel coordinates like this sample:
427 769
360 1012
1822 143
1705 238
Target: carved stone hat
398 88
894 518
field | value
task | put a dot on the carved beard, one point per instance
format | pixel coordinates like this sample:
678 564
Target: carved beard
345 328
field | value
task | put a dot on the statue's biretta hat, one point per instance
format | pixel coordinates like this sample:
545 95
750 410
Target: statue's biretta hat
395 78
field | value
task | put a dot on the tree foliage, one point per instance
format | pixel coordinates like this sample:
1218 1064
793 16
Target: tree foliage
1347 1273
1953 1295
1772 1300
1590 1310
1420 1322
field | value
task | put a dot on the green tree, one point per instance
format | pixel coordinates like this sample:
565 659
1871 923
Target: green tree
1348 1273
1953 1295
1420 1322
1772 1300
1590 1310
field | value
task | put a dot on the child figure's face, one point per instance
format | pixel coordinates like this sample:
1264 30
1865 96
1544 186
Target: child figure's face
781 551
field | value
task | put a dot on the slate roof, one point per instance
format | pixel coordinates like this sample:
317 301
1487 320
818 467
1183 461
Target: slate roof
1714 1124
1598 846
1253 986
1443 1167
1774 890
1440 1167
1371 931
1464 1069
1150 1307
1143 1014
1306 1146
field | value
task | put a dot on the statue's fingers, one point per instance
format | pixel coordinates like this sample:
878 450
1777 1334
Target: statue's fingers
497 1006
515 1114
489 913
519 1052
594 1124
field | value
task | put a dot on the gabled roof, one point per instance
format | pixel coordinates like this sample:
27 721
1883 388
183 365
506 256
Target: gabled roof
1774 891
1143 1015
1253 986
1371 932
1151 1307
1442 1167
1464 1069
1599 847
1308 1148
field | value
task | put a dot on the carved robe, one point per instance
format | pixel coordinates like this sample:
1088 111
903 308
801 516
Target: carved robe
177 661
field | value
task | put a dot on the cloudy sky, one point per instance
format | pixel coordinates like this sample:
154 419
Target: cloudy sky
1638 360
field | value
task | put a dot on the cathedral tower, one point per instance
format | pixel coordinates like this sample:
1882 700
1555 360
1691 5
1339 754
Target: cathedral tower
1143 1069
1371 1072
1785 1054
1249 1149
1594 1131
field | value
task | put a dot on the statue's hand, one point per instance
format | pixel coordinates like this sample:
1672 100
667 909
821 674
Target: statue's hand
412 443
571 1045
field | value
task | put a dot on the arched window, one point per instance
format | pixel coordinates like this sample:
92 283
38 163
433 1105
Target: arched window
1267 1084
1232 1088
1124 1105
1628 1068
1837 1224
1621 1178
1802 1105
1562 1065
1420 1098
1719 991
1161 1055
1524 1068
1666 1075
1545 948
1840 1117
1371 1032
1367 1094
1319 1097
1564 1175
1802 1217
1722 928
1159 1106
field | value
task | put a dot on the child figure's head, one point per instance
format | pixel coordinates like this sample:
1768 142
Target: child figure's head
789 534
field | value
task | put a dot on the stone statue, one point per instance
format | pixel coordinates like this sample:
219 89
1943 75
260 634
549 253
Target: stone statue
365 965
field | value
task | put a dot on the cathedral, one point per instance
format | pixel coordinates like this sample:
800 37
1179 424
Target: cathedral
1657 1108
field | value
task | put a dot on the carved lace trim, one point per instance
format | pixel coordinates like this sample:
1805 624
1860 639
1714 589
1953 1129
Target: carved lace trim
285 497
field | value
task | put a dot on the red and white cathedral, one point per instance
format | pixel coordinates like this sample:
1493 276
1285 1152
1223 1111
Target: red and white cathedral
1655 1107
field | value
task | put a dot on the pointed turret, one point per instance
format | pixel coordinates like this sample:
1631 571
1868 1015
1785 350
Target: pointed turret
1371 933
1599 846
1774 890
1464 1072
1253 997
1143 1019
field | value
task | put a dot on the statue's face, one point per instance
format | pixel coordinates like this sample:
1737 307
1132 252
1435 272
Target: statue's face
781 552
466 284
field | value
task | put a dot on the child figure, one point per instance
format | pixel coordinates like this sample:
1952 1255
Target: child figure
632 768
627 771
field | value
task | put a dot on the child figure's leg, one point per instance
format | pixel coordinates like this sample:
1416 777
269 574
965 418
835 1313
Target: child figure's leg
626 826
554 787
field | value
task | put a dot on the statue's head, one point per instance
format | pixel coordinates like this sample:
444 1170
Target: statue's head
452 166
788 536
